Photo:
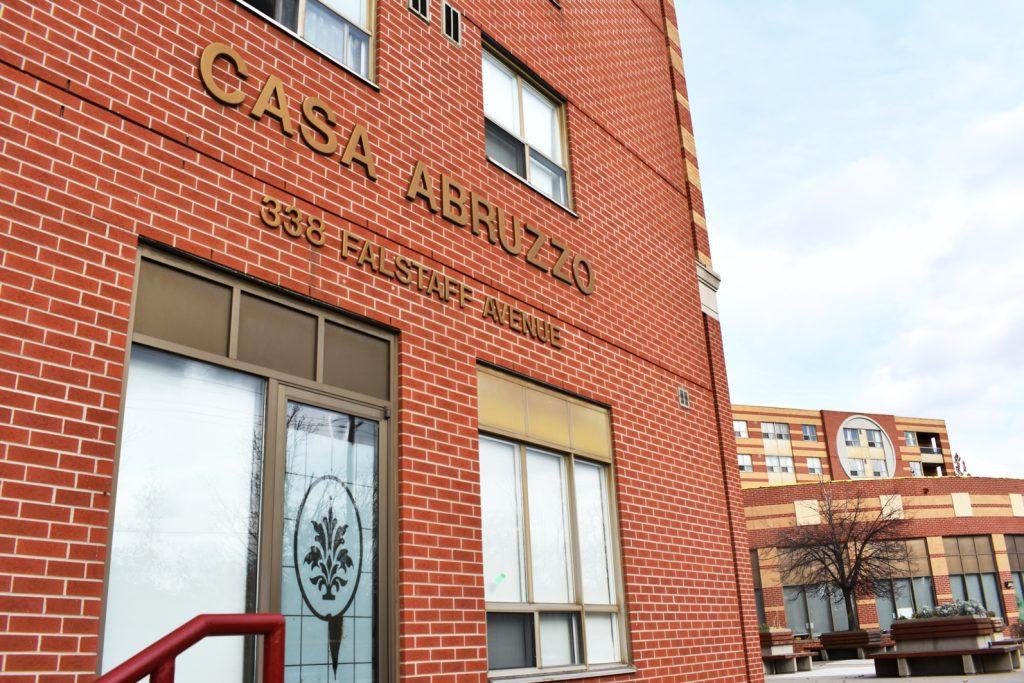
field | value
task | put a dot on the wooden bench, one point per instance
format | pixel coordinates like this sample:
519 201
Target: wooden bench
811 647
981 660
787 663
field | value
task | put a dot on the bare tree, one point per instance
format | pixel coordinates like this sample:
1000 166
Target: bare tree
854 547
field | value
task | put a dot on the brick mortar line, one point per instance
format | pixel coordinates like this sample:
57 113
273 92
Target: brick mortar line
577 326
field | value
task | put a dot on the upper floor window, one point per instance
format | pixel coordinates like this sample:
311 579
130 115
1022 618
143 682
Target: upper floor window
525 130
810 433
779 463
879 468
775 430
814 465
915 469
857 467
746 463
340 28
910 438
874 438
851 436
739 427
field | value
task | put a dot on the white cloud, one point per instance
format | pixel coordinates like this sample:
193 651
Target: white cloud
908 272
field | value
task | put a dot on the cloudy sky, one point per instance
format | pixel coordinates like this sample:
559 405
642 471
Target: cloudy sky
863 169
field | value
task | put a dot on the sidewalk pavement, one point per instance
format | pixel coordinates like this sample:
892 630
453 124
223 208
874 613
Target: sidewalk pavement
860 669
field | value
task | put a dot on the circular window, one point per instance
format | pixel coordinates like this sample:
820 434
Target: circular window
865 450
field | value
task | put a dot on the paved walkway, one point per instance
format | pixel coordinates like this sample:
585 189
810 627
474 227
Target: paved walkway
859 670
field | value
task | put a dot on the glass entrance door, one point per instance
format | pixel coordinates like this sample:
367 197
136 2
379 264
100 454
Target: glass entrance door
328 544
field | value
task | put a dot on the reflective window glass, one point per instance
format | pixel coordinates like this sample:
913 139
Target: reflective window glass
186 508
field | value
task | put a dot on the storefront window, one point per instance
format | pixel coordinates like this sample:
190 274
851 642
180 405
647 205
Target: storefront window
972 571
551 567
814 609
187 510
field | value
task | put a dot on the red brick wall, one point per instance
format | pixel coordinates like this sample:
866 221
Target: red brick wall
109 138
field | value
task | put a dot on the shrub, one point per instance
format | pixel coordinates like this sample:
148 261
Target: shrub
957 608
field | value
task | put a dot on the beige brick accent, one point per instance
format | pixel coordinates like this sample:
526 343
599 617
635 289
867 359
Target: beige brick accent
682 100
676 59
1017 504
689 144
962 504
807 512
937 556
692 174
893 502
672 32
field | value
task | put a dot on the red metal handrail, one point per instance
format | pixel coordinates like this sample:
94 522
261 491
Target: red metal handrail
157 660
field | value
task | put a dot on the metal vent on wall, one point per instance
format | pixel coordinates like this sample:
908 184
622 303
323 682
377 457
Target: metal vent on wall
420 8
684 398
452 24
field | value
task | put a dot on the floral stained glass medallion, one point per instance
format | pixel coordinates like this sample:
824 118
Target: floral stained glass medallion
328 583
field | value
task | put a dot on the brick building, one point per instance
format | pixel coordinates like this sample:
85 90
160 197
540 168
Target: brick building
397 318
965 534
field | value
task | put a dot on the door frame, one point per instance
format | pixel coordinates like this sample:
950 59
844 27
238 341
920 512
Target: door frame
312 391
271 555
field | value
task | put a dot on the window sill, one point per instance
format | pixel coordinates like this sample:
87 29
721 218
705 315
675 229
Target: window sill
563 207
292 34
539 677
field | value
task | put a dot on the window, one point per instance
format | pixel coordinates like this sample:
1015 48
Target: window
746 463
775 430
814 465
452 24
779 463
550 552
1015 553
340 28
810 433
242 405
879 468
857 467
915 469
420 8
739 427
910 438
972 571
814 609
874 438
851 436
909 590
525 130
755 570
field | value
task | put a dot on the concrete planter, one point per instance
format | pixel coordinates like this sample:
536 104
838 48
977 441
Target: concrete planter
942 633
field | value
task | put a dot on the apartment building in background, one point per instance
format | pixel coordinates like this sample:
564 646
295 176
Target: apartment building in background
395 317
965 534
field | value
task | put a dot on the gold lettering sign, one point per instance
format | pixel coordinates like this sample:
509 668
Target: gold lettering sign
316 125
469 209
